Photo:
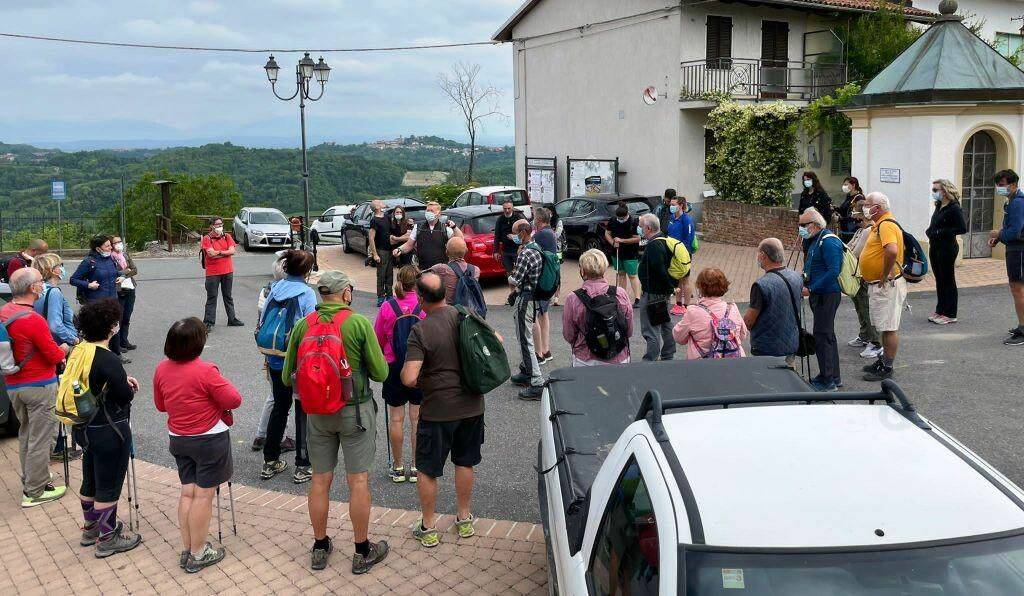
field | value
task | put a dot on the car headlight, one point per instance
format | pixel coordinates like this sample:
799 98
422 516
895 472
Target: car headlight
258 233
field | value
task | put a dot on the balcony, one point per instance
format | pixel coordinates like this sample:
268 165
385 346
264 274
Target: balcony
758 80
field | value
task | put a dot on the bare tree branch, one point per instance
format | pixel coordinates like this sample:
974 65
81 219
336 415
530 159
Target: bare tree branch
475 101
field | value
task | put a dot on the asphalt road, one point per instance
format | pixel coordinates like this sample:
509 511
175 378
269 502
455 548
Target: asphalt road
960 376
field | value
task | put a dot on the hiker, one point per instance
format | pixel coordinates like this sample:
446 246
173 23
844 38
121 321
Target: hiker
401 230
523 281
378 246
545 238
771 315
576 315
621 234
96 277
456 250
821 286
505 247
126 289
867 336
218 249
287 443
198 401
429 238
712 328
23 258
848 208
108 437
664 208
451 417
353 427
680 227
814 195
33 389
290 300
1010 235
946 224
880 266
658 287
394 322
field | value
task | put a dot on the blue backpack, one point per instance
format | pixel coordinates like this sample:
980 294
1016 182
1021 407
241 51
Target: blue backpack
278 320
468 292
403 327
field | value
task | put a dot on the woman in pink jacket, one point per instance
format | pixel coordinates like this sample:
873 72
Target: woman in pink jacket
697 328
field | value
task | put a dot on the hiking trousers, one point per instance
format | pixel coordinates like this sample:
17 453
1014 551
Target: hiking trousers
385 274
224 283
826 348
34 408
660 343
283 395
526 315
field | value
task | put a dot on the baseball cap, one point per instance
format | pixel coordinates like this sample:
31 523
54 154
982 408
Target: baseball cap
333 282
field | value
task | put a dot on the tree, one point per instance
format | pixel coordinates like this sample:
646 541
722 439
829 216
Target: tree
475 100
875 39
445 193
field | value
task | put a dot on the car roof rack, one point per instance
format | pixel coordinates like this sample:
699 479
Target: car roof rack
890 393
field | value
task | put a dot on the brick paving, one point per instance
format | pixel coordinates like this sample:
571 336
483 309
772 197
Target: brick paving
40 554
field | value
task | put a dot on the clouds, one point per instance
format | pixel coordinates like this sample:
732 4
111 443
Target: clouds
113 93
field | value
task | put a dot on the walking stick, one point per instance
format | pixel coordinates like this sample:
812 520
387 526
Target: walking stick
387 438
64 443
220 537
231 502
618 264
133 489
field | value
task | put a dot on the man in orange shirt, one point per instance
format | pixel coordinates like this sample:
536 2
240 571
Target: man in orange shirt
880 267
218 249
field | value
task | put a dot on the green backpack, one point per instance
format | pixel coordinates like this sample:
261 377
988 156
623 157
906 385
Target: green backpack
483 363
550 274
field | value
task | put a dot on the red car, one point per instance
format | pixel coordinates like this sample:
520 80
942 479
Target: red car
477 225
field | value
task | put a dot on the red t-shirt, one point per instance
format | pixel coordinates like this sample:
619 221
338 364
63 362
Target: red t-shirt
31 333
194 394
218 265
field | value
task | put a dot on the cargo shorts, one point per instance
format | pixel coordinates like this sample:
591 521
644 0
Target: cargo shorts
326 433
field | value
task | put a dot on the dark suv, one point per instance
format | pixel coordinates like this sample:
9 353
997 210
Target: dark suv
356 230
584 218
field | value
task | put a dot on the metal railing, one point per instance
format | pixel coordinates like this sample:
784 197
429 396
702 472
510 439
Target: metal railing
754 78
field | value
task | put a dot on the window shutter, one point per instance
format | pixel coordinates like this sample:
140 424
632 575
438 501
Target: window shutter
719 41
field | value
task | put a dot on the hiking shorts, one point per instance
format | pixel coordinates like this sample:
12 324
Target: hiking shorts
543 306
326 433
395 393
203 460
459 438
1015 266
627 266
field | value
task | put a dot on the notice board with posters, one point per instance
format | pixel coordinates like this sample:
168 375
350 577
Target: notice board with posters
540 179
587 177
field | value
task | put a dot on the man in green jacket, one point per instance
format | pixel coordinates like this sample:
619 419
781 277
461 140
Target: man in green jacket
658 287
326 433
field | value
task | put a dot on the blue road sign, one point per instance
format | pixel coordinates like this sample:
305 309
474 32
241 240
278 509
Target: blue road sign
57 190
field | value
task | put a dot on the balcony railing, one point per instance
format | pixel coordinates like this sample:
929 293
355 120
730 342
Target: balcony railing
753 78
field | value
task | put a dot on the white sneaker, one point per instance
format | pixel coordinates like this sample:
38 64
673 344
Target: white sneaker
871 351
857 342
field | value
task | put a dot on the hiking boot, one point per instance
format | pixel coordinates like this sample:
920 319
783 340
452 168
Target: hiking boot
520 379
428 537
318 558
288 444
209 556
414 475
857 342
398 475
678 310
127 345
58 456
883 372
302 475
1017 339
50 493
272 468
90 534
378 552
465 526
236 323
874 366
531 393
183 558
872 351
258 442
118 541
125 359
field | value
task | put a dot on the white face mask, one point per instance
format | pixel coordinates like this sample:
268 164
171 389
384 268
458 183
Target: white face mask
218 230
846 188
867 212
119 247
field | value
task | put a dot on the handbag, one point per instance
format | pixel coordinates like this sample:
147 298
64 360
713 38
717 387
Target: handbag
657 312
806 346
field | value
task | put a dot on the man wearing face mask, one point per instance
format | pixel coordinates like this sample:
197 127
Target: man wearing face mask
23 259
771 318
821 285
219 248
621 232
523 279
429 238
880 268
658 287
505 247
1010 235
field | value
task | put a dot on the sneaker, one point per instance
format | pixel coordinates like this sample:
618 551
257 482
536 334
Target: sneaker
427 537
258 443
398 475
236 323
90 534
209 556
520 379
548 357
951 320
820 384
128 345
942 320
125 359
50 493
872 351
414 475
272 468
118 541
838 382
318 558
288 444
636 303
883 372
1017 339
183 558
73 454
678 310
302 475
857 342
874 366
531 393
378 552
209 327
933 316
465 526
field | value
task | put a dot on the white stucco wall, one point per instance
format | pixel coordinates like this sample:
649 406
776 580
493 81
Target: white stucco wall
995 13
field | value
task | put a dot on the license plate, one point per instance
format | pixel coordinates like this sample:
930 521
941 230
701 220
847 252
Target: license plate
276 240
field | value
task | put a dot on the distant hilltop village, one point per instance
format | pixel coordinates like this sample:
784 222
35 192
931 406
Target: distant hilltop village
414 142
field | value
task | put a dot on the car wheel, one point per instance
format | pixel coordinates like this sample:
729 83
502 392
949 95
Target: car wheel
591 242
245 243
344 244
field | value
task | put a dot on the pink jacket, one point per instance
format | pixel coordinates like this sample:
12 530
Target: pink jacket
384 326
695 327
574 320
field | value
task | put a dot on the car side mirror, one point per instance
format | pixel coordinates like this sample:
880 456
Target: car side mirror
325 218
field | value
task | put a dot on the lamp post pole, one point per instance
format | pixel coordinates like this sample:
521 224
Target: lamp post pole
305 70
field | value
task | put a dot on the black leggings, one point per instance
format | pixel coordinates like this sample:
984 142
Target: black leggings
104 460
279 419
943 255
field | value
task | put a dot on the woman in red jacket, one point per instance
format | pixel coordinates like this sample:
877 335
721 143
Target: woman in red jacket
198 401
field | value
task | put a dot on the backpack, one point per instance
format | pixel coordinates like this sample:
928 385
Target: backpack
483 365
401 330
679 266
468 292
605 324
695 245
8 365
6 262
277 322
915 260
76 404
849 282
323 377
550 274
723 333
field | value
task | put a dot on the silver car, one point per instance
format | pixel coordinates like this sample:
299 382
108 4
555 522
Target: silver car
256 227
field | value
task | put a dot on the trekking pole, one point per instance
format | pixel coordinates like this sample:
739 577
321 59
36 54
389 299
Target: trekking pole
387 438
231 502
134 486
64 442
617 265
220 537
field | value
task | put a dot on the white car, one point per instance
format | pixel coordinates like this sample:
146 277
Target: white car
329 225
261 227
732 477
496 195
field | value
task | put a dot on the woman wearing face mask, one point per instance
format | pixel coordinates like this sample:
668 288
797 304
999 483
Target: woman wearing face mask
813 195
947 223
847 224
400 229
52 305
867 337
98 277
126 292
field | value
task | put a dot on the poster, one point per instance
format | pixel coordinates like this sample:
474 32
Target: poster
588 177
540 179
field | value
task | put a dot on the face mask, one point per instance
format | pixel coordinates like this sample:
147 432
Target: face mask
846 188
104 254
62 273
639 231
803 232
517 239
673 209
936 195
218 230
431 216
867 212
398 217
808 184
119 247
1002 191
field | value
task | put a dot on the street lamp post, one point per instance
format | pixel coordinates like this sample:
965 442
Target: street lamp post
305 70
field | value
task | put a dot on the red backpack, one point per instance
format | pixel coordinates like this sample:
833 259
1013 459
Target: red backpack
323 377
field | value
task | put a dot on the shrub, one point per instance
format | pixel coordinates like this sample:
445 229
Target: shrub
445 193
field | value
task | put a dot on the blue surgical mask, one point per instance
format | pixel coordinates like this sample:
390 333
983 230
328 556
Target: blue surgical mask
639 231
62 273
803 232
936 195
673 209
517 239
622 219
105 254
808 183
431 216
1003 191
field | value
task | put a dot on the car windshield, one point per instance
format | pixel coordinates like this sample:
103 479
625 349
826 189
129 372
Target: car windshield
983 568
267 217
481 225
638 207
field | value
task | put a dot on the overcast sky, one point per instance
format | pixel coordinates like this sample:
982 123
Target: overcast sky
58 92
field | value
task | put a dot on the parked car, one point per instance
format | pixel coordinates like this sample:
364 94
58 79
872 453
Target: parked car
265 227
328 226
790 492
477 225
356 230
8 421
584 218
496 195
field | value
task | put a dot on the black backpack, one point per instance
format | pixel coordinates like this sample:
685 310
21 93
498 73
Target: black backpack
6 262
605 323
915 260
